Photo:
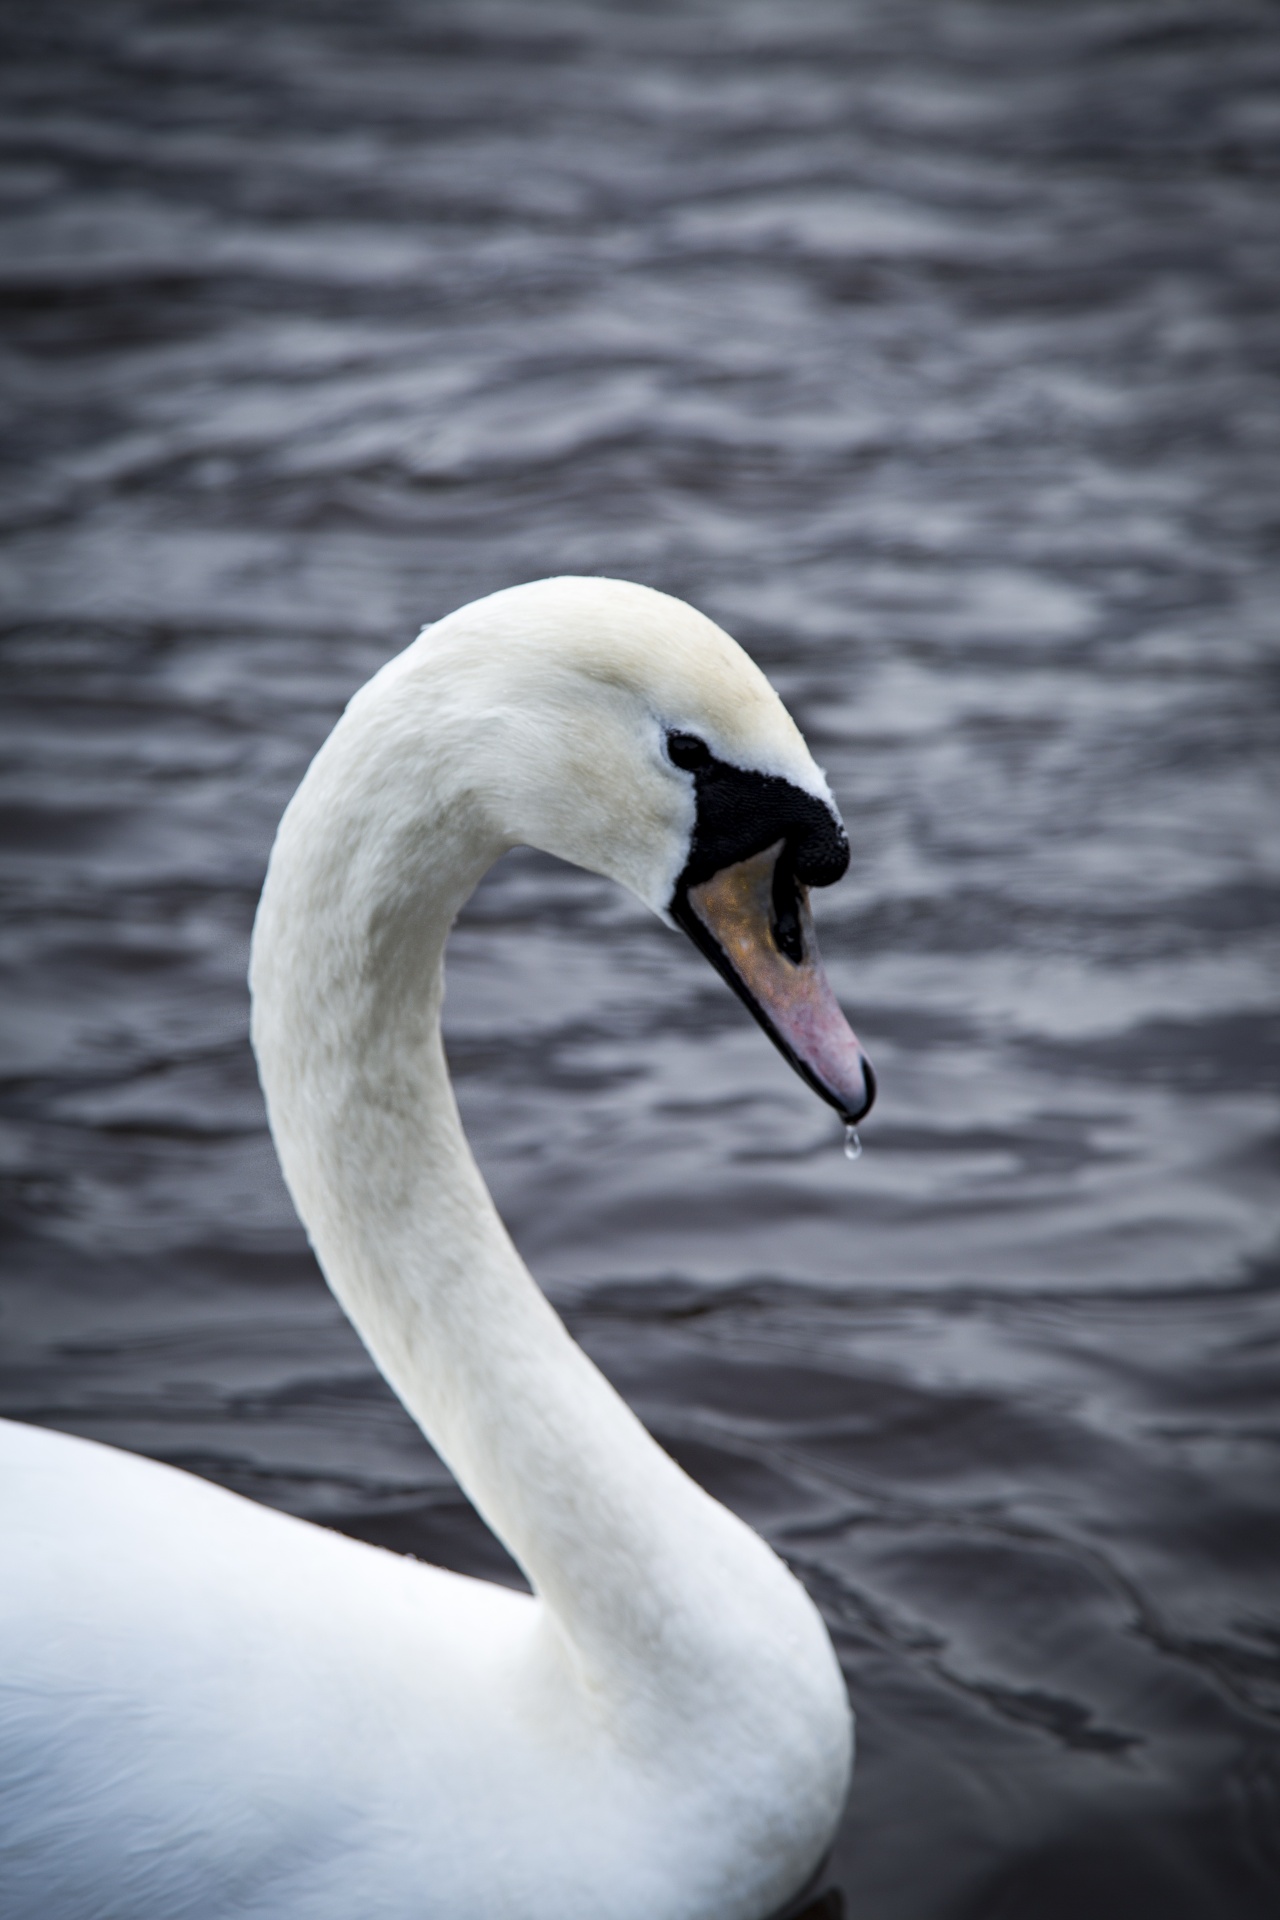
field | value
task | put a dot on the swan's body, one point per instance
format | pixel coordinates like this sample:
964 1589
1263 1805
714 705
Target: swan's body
209 1709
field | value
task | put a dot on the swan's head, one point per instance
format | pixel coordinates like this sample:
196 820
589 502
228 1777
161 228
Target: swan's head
619 729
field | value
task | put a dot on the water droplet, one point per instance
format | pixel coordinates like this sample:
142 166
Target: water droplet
852 1144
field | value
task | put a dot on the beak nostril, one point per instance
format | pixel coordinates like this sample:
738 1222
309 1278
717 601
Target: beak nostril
788 934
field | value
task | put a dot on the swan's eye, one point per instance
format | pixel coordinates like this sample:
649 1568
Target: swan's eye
688 751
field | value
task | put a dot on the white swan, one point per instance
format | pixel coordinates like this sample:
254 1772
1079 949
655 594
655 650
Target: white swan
210 1709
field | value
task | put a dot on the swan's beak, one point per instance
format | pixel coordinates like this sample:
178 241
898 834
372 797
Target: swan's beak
752 921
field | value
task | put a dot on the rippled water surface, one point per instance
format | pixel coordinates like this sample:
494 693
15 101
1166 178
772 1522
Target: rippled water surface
933 348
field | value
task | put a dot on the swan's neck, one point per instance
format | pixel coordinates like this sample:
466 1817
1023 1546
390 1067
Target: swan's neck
377 852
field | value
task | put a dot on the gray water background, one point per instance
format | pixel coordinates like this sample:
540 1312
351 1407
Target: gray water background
933 348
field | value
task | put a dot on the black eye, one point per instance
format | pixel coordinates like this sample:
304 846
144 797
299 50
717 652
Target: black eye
688 751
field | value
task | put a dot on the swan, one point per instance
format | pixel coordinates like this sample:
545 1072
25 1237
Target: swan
208 1708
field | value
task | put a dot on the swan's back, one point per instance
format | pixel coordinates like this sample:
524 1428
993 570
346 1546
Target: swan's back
208 1708
194 1689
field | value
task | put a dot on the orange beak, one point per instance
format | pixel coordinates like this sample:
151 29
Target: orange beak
752 921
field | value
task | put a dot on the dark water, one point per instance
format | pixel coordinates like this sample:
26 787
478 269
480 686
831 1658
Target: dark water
933 347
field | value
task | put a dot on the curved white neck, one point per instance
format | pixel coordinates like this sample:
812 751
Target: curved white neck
377 852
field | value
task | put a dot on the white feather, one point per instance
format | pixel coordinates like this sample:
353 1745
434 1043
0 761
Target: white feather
209 1709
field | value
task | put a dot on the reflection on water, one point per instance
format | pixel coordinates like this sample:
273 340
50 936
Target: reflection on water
828 1905
930 347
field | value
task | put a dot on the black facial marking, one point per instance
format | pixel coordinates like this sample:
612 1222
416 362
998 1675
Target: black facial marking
741 812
